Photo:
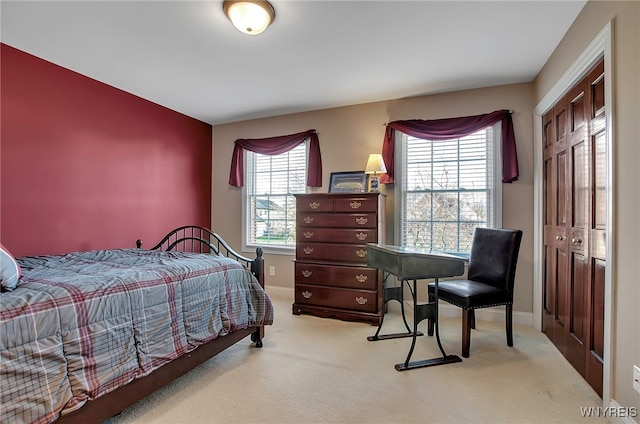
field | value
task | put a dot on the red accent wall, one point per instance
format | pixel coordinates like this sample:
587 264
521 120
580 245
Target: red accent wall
86 166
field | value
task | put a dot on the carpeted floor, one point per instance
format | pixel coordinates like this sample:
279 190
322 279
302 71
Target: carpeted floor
314 370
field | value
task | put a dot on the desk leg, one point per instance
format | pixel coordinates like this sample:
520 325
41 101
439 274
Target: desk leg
420 313
436 320
394 293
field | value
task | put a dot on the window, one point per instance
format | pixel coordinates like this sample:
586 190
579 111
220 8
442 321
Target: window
269 204
446 189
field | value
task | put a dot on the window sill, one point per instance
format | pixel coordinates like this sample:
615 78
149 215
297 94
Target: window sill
270 250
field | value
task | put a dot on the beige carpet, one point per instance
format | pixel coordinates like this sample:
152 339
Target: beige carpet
314 370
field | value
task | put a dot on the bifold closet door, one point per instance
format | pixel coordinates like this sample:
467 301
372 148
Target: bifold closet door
575 225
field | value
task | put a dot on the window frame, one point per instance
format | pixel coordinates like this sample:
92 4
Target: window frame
266 248
400 172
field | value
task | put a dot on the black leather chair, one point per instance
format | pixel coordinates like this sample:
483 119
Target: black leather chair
490 280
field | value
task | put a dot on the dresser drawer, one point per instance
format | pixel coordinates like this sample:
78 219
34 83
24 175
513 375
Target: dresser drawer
314 204
356 205
337 235
342 220
355 300
336 276
350 253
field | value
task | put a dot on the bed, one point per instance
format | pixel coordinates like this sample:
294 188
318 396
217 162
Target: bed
86 334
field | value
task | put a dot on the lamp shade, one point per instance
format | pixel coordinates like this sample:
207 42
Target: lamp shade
250 16
375 164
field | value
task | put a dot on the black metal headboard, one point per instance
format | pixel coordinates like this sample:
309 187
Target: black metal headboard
192 238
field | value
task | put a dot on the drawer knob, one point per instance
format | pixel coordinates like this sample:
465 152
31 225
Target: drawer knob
308 219
361 253
308 250
361 278
355 205
361 236
361 300
306 273
307 294
308 234
361 220
314 205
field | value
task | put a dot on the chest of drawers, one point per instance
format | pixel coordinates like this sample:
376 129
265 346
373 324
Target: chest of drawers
331 276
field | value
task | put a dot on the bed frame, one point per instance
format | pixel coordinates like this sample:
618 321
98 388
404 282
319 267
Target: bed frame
191 239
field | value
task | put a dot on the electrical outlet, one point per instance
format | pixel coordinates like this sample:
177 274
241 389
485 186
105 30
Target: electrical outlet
272 270
636 378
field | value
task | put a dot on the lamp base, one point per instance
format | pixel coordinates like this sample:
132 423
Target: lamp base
375 185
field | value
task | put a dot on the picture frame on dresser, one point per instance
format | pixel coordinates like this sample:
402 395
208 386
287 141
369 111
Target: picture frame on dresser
348 182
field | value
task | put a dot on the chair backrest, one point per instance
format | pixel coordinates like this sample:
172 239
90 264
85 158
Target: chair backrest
494 254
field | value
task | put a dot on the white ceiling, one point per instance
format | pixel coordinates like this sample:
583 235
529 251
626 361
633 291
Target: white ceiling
187 56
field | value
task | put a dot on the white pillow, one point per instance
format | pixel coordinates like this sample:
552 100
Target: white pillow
10 271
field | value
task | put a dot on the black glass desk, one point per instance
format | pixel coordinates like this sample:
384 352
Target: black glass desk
413 264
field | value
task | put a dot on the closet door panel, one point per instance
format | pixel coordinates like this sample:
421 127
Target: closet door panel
598 227
575 224
578 191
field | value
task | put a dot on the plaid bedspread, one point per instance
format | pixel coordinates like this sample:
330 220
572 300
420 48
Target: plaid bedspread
83 324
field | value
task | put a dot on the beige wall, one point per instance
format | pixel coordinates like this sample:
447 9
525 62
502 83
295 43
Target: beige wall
625 17
347 136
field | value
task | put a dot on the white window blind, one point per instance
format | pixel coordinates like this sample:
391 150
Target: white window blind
448 188
269 206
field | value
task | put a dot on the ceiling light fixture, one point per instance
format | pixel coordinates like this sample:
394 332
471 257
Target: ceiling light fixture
249 16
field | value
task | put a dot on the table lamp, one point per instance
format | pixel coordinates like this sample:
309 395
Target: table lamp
375 166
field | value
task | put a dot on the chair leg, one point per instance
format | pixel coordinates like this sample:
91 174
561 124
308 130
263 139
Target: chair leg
472 312
430 321
467 317
509 318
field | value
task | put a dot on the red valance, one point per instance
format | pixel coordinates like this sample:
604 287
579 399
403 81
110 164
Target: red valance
452 128
275 146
